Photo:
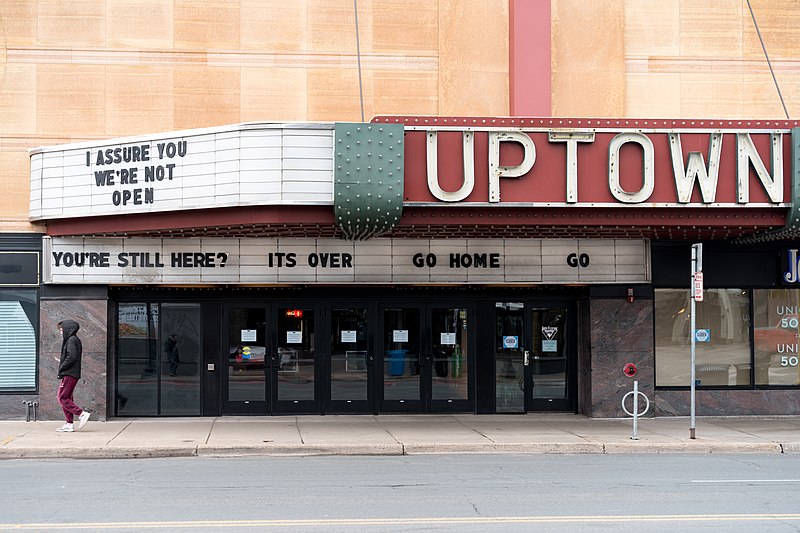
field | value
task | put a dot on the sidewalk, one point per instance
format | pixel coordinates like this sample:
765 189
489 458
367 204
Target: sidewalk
395 435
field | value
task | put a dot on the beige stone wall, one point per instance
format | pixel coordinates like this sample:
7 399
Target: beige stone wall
674 58
73 70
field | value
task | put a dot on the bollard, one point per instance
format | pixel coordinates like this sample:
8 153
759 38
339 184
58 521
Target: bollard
35 406
635 414
27 410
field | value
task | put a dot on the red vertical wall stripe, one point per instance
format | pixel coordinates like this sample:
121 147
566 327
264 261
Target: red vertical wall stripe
529 58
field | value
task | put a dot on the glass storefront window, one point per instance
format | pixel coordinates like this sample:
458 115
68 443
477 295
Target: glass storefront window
776 336
18 319
722 355
450 350
158 359
296 354
349 352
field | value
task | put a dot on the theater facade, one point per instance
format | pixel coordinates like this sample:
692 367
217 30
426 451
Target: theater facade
423 265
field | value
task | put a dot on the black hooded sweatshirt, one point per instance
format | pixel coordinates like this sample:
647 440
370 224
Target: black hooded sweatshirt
71 350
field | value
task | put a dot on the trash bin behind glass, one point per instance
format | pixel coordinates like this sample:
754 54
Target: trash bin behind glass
397 362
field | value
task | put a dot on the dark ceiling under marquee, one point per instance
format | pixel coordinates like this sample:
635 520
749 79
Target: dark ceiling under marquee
443 222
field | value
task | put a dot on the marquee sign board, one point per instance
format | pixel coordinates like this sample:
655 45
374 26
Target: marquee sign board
511 162
243 164
133 261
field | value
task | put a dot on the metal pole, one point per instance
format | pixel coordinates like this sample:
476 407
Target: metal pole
692 378
635 411
358 55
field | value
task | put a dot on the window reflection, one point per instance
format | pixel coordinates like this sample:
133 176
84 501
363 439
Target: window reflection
723 357
158 359
296 354
349 352
450 352
401 348
776 332
246 354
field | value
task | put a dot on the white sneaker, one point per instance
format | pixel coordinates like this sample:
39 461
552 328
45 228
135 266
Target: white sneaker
66 428
83 419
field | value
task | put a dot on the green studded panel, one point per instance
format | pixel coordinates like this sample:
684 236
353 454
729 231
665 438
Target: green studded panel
793 220
367 178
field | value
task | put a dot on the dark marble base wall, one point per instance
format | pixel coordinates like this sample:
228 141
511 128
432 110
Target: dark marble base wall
90 394
584 359
13 408
729 402
621 333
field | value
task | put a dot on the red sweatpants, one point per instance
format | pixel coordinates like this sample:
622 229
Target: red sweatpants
65 390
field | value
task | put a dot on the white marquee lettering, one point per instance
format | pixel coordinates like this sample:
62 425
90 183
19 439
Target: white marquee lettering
572 138
433 168
695 169
496 171
648 174
747 154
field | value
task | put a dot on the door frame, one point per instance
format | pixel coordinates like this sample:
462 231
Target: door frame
331 406
426 404
248 407
271 405
570 350
530 404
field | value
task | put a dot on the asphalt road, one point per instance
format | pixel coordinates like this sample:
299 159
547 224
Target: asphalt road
712 492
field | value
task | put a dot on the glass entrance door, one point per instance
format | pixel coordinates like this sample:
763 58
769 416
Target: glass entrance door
351 360
535 361
295 379
249 360
548 366
425 359
271 367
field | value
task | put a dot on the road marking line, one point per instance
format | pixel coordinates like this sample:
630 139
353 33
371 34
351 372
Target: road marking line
407 521
9 439
746 481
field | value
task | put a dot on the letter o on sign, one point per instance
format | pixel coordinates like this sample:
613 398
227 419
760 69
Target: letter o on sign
629 370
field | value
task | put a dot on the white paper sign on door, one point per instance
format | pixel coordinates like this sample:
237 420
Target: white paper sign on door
448 339
400 335
248 335
294 337
348 335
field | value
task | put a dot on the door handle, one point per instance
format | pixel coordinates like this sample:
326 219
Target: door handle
370 359
527 358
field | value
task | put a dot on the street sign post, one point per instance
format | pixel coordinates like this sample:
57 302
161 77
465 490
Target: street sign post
696 296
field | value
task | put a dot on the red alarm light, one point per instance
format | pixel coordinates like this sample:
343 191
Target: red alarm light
295 313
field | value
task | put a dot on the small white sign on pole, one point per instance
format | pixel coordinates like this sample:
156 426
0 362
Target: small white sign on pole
698 287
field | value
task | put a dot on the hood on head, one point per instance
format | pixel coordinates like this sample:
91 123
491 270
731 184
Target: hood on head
69 328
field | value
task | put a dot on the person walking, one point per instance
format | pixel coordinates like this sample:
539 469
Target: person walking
172 354
69 372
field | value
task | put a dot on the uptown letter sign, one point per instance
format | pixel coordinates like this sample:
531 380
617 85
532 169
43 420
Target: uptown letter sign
556 163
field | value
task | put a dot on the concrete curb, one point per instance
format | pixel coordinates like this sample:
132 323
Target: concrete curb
127 452
693 447
104 452
501 448
298 450
790 447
